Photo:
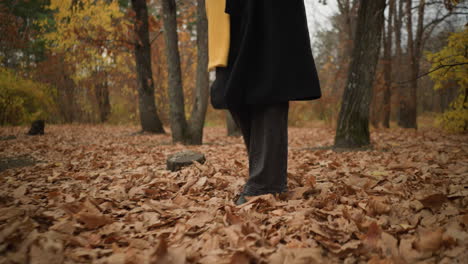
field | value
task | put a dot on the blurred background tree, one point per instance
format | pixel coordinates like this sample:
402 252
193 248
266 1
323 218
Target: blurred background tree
90 36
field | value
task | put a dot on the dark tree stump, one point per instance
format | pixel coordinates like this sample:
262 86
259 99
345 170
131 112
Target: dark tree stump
178 160
37 128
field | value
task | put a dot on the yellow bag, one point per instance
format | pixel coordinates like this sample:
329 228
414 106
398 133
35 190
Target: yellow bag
218 33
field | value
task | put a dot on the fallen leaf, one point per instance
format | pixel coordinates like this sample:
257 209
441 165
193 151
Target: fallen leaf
240 258
408 252
164 255
429 240
297 256
92 221
20 191
311 182
200 219
389 245
433 201
372 237
378 206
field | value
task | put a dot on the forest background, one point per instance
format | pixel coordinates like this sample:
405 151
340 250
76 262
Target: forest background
73 61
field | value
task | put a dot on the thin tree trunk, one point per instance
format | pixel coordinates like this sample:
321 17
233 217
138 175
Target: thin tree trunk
409 103
399 70
405 116
353 124
101 91
387 96
346 28
200 105
67 99
179 125
149 118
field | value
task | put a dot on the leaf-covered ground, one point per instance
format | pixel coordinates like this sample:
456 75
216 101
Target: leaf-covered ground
100 194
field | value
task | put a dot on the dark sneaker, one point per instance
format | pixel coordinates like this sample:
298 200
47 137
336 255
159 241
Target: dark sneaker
241 200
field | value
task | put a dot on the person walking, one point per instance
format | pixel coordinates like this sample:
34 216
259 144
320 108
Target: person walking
260 50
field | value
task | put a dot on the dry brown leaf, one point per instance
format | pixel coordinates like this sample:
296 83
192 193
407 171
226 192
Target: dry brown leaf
371 240
47 249
389 245
338 249
455 252
416 205
92 221
234 235
464 220
184 189
378 206
297 256
298 193
200 219
378 260
454 234
10 212
408 252
164 255
139 243
20 191
267 200
231 218
64 226
429 240
311 182
181 200
118 258
240 258
433 201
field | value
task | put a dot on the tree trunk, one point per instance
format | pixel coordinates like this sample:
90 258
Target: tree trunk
101 91
190 132
399 70
67 99
387 96
233 130
179 125
409 103
200 105
353 124
346 27
149 118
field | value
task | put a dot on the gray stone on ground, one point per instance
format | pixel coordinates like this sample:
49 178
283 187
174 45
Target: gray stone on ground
16 162
179 160
9 137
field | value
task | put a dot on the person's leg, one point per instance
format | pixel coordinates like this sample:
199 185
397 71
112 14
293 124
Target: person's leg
242 118
268 153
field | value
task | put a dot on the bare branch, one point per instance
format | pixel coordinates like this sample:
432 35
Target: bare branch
442 66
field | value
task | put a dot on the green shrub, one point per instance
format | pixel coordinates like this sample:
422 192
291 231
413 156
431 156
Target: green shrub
23 100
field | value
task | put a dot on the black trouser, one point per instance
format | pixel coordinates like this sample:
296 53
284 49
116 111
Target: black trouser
265 132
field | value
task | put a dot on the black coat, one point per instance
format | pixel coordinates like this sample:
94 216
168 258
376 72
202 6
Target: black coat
270 58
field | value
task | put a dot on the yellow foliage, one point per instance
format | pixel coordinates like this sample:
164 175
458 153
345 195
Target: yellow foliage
23 100
450 66
456 119
86 32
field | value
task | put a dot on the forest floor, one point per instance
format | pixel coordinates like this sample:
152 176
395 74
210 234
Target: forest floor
101 194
